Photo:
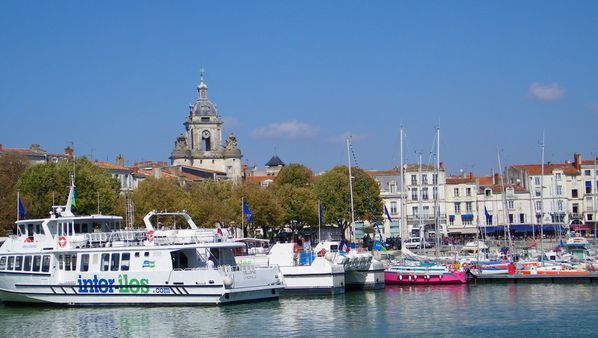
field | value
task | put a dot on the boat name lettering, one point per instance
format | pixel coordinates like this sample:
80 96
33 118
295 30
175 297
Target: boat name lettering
103 285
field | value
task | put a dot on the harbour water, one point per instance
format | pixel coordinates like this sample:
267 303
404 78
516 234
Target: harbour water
529 310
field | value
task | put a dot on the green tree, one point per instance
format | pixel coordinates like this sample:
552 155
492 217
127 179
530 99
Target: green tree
294 174
211 202
332 189
299 205
162 194
266 212
12 167
45 184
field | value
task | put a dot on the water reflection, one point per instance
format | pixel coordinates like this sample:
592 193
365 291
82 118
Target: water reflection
488 310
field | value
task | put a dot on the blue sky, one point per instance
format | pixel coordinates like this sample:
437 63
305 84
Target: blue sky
292 78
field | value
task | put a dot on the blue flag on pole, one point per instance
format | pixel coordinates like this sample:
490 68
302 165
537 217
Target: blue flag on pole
21 209
320 212
246 211
487 215
387 214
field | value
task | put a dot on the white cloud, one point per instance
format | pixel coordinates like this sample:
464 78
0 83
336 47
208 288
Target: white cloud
343 137
231 122
546 92
289 129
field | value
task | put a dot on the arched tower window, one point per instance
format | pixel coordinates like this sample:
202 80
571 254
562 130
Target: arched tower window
206 140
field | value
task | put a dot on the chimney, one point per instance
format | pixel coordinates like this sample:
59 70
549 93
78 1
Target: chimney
441 166
0 146
471 175
68 151
120 161
496 178
577 161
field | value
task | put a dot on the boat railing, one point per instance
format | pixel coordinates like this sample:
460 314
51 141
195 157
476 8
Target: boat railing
185 236
121 238
142 237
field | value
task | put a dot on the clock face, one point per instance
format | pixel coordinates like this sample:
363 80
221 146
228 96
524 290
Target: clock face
205 134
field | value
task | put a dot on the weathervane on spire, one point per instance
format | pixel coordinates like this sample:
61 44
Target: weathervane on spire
202 71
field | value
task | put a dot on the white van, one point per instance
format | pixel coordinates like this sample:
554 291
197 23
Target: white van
415 243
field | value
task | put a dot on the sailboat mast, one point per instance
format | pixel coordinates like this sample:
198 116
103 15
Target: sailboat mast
420 205
351 190
436 197
505 206
595 195
542 204
402 200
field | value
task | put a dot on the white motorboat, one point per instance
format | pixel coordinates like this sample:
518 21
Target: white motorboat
305 272
88 260
362 269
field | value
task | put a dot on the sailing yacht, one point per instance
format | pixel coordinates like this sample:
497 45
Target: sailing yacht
362 269
420 270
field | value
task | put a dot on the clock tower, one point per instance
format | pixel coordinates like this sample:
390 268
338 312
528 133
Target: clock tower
201 145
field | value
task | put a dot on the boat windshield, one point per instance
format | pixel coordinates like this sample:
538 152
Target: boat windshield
69 227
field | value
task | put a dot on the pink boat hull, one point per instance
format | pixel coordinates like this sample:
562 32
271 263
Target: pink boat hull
458 277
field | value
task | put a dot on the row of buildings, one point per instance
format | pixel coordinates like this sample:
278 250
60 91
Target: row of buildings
555 195
524 197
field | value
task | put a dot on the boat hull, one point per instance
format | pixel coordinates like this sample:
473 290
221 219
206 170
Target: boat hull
366 279
328 279
396 278
180 295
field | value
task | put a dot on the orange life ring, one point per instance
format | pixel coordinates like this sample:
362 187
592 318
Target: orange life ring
62 241
452 268
465 266
150 235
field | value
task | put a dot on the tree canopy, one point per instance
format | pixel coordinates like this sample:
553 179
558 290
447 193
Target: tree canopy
332 189
211 202
266 212
295 174
299 205
43 185
12 167
162 194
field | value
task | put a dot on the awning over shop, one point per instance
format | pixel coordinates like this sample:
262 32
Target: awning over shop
467 216
463 230
522 228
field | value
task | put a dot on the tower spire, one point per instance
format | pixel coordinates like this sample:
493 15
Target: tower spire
202 88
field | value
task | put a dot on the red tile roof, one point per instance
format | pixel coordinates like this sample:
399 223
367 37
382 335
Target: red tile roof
460 180
111 166
536 169
394 171
589 162
259 179
485 180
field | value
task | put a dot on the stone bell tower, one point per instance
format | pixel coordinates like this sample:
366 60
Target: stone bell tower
201 145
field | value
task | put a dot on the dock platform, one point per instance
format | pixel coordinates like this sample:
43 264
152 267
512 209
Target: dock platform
517 278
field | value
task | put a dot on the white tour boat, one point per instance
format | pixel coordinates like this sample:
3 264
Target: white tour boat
85 260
